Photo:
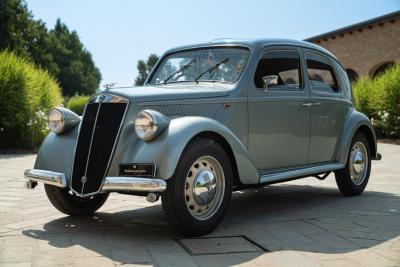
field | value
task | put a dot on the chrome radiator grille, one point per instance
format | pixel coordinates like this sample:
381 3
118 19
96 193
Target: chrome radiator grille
97 138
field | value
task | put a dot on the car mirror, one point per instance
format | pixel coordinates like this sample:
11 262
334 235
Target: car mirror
269 80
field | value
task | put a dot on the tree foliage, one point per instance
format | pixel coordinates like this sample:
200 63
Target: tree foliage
58 50
26 94
77 104
76 71
379 99
144 68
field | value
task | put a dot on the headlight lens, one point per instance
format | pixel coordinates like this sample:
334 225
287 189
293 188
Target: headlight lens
145 126
61 120
56 120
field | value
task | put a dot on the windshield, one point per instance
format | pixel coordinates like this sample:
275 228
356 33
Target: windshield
208 64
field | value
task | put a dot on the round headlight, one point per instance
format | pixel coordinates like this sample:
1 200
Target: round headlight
61 120
55 120
145 125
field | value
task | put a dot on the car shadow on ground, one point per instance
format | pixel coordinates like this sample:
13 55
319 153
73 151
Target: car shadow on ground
277 218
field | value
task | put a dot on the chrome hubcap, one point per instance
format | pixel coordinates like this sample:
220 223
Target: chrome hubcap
358 163
204 187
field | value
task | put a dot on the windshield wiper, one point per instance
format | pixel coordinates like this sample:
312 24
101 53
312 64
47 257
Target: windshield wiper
182 68
210 69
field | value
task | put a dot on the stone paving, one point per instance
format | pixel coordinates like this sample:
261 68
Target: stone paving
300 223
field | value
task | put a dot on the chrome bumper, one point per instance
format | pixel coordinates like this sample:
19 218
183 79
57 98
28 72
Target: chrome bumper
46 177
111 184
136 184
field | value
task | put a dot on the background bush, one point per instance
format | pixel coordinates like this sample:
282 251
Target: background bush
26 94
77 103
379 99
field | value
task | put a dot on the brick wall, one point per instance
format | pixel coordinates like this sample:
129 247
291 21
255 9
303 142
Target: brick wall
366 49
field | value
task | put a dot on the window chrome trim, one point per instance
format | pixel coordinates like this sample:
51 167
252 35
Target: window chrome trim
282 48
335 75
203 47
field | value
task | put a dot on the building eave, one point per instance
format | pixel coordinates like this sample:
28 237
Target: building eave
358 26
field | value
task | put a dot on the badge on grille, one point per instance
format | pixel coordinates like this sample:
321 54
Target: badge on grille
83 179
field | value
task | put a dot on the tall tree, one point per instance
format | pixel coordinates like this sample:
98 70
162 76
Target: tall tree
78 73
60 51
17 30
144 68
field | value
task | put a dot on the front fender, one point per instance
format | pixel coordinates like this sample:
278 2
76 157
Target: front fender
355 121
166 150
57 152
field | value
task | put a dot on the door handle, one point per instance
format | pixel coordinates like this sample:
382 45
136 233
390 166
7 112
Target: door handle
317 104
307 105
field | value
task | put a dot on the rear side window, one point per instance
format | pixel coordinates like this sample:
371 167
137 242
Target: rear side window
285 65
321 74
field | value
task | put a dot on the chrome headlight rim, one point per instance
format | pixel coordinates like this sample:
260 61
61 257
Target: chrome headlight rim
58 128
154 121
67 119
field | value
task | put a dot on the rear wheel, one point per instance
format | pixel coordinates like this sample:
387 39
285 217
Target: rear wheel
199 193
353 179
70 204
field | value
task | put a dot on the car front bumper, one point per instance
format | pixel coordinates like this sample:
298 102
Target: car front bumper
111 183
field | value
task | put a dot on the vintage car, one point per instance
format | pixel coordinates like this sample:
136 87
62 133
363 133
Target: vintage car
211 118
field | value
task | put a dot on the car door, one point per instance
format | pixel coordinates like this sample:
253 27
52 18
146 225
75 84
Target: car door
279 116
329 108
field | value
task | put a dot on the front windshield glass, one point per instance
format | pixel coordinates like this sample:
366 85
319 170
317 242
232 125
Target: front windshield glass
208 64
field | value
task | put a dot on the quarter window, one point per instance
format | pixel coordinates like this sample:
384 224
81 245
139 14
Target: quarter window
284 65
321 74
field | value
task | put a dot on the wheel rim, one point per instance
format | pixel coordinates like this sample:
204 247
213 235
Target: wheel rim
204 187
358 163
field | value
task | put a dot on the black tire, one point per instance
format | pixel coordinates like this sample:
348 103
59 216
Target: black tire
343 177
174 199
71 204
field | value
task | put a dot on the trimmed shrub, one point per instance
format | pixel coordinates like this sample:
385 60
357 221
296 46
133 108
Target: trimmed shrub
26 94
77 103
379 99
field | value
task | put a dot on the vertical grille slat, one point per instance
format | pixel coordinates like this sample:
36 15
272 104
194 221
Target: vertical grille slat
96 140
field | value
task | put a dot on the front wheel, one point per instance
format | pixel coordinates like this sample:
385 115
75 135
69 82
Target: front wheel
353 179
199 193
70 204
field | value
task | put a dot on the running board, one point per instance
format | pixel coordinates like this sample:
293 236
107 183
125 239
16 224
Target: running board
282 176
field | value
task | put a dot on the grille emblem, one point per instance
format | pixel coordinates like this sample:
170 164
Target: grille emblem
83 179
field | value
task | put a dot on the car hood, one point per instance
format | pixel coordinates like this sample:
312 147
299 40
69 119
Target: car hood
172 92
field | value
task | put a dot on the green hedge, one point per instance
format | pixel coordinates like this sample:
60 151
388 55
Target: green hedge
77 103
26 94
379 99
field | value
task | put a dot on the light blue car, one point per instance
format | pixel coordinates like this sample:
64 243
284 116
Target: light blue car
211 118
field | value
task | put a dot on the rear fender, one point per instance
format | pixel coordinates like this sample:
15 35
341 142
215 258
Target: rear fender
356 121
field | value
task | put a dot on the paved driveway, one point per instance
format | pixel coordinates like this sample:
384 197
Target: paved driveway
300 223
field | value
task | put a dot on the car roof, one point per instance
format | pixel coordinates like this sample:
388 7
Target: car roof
255 44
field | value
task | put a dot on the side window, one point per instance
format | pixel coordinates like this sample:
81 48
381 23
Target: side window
282 67
321 74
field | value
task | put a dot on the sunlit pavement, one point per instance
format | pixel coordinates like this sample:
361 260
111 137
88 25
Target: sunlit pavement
301 223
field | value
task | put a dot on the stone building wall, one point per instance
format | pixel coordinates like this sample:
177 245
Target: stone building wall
366 48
